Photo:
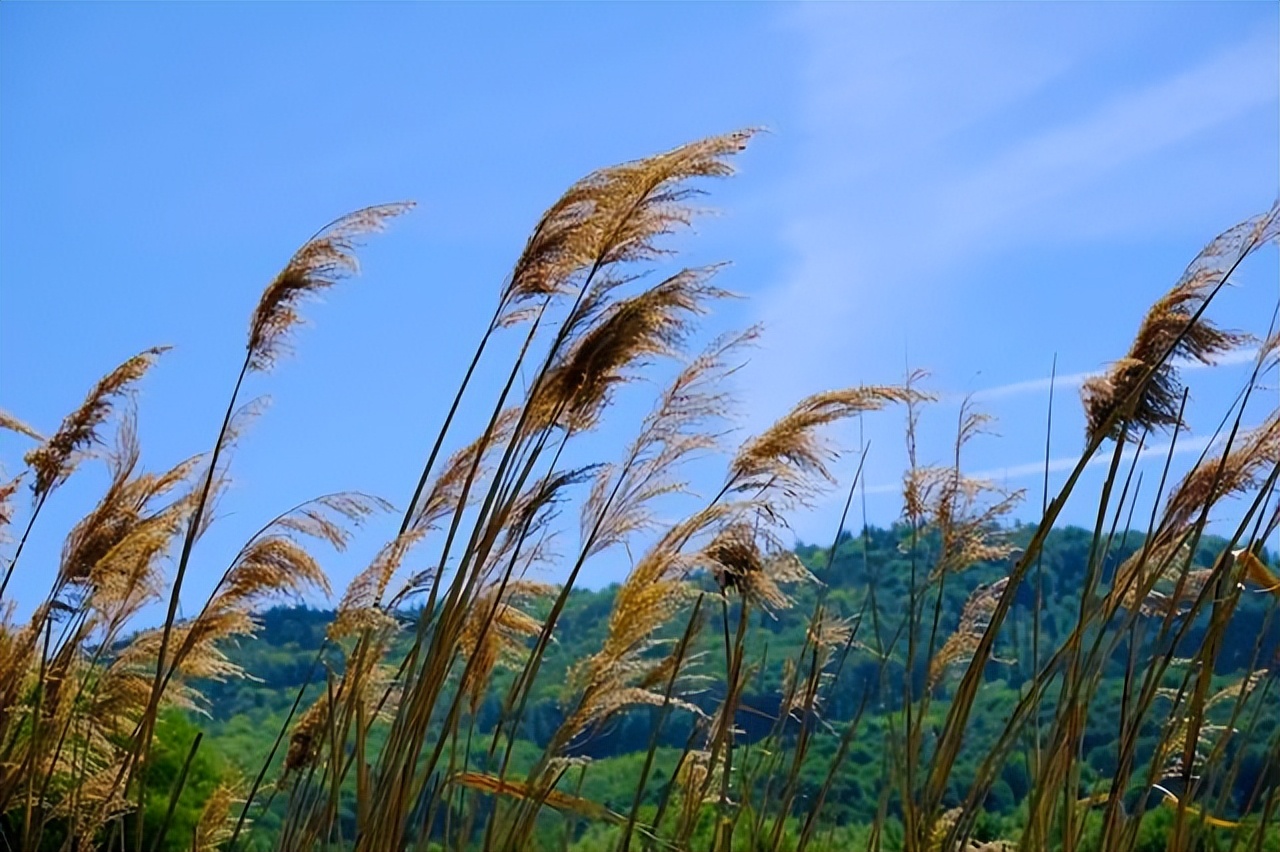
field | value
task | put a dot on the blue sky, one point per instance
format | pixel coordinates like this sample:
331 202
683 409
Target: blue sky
975 189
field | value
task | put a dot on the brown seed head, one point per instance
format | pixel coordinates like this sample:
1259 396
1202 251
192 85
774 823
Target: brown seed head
323 261
1142 390
614 216
975 620
55 459
629 332
791 457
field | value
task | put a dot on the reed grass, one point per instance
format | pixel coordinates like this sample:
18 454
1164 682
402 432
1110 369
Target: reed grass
391 753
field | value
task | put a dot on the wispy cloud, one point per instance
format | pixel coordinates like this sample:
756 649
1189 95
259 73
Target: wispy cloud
1152 452
1071 381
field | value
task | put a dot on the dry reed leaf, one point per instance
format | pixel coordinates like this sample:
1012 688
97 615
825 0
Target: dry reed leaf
557 799
56 459
13 424
1256 572
1142 390
323 261
1197 813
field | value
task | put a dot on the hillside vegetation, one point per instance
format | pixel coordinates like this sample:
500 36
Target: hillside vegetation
245 714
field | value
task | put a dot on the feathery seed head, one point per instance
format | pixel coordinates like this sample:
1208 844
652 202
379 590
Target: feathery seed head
629 332
322 262
1142 390
55 459
975 620
613 216
737 563
791 457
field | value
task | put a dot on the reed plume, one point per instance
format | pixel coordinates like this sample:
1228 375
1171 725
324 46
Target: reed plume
115 547
621 673
1240 469
496 633
362 607
629 332
679 426
1142 390
737 564
55 459
975 620
7 490
826 635
364 690
611 217
790 457
323 261
216 822
1236 470
447 491
274 562
965 512
1173 746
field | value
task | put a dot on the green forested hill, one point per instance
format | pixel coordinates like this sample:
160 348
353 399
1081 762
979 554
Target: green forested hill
867 581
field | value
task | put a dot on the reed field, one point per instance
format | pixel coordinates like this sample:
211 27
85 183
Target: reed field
455 693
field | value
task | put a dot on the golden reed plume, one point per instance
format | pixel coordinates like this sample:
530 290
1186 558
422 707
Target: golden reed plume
1174 328
56 459
323 261
613 216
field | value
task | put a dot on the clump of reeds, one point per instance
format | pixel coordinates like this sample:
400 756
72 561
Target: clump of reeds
83 685
409 739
